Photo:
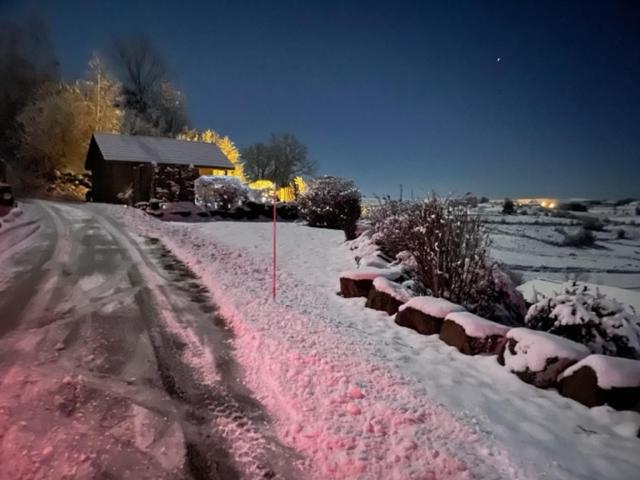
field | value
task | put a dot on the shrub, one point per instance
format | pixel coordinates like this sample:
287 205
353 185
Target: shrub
331 202
593 223
573 207
508 207
445 249
220 192
603 325
501 301
582 238
470 200
391 225
621 234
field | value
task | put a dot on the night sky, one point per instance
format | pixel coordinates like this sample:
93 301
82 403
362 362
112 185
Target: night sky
517 98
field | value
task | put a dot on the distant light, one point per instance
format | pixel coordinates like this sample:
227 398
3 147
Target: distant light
544 204
552 205
498 60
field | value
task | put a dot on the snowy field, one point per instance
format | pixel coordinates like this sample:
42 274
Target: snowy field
360 397
530 246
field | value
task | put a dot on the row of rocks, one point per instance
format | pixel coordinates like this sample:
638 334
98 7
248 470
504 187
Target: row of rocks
538 358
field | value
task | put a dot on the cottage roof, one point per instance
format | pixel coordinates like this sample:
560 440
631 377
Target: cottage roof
141 149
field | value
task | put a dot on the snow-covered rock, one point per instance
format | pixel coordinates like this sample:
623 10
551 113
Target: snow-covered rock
358 283
598 380
387 296
425 314
367 253
539 357
471 334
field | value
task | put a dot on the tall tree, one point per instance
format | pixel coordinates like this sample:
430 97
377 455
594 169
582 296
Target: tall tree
281 160
103 94
258 161
27 62
57 124
56 127
153 106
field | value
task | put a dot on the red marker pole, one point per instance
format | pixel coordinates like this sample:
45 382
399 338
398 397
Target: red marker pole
275 198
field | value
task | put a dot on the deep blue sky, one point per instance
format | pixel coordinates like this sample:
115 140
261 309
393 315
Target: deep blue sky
401 92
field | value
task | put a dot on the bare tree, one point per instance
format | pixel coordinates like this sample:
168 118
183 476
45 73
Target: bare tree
142 69
152 104
290 159
258 161
281 160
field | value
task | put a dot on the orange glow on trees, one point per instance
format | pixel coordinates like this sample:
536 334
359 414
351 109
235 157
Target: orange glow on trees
225 144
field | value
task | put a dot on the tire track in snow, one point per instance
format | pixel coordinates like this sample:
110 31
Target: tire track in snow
219 404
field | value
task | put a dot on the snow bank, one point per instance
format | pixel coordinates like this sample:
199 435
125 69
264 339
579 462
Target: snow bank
475 326
395 290
612 372
625 423
12 215
534 348
372 273
367 253
436 307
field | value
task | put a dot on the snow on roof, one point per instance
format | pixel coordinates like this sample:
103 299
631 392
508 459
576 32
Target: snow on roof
141 149
436 307
475 326
392 289
534 348
533 289
372 273
611 371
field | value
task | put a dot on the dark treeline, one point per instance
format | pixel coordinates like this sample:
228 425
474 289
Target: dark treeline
45 123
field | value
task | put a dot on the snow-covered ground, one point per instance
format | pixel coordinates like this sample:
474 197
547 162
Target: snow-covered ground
359 396
530 246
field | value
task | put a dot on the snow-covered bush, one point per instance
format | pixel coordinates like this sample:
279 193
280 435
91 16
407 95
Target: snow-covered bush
331 202
391 225
445 248
220 192
508 207
593 223
573 207
582 238
587 317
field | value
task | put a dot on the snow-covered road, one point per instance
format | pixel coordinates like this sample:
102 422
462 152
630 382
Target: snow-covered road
114 363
